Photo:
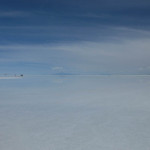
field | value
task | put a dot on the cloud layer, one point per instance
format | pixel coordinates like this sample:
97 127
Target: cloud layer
123 55
84 37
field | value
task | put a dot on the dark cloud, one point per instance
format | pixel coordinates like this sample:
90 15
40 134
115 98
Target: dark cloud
73 5
81 12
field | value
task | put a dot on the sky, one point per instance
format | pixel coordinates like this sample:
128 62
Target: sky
92 37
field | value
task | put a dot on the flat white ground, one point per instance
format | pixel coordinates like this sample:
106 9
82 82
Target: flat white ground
10 77
75 113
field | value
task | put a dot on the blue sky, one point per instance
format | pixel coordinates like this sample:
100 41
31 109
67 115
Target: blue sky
74 37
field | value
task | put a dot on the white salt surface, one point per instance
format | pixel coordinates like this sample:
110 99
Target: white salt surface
9 78
75 113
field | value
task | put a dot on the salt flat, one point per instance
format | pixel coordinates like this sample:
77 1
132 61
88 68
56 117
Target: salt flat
75 113
9 78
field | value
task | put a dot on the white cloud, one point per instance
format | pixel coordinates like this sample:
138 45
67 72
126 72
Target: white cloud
14 14
57 69
125 56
